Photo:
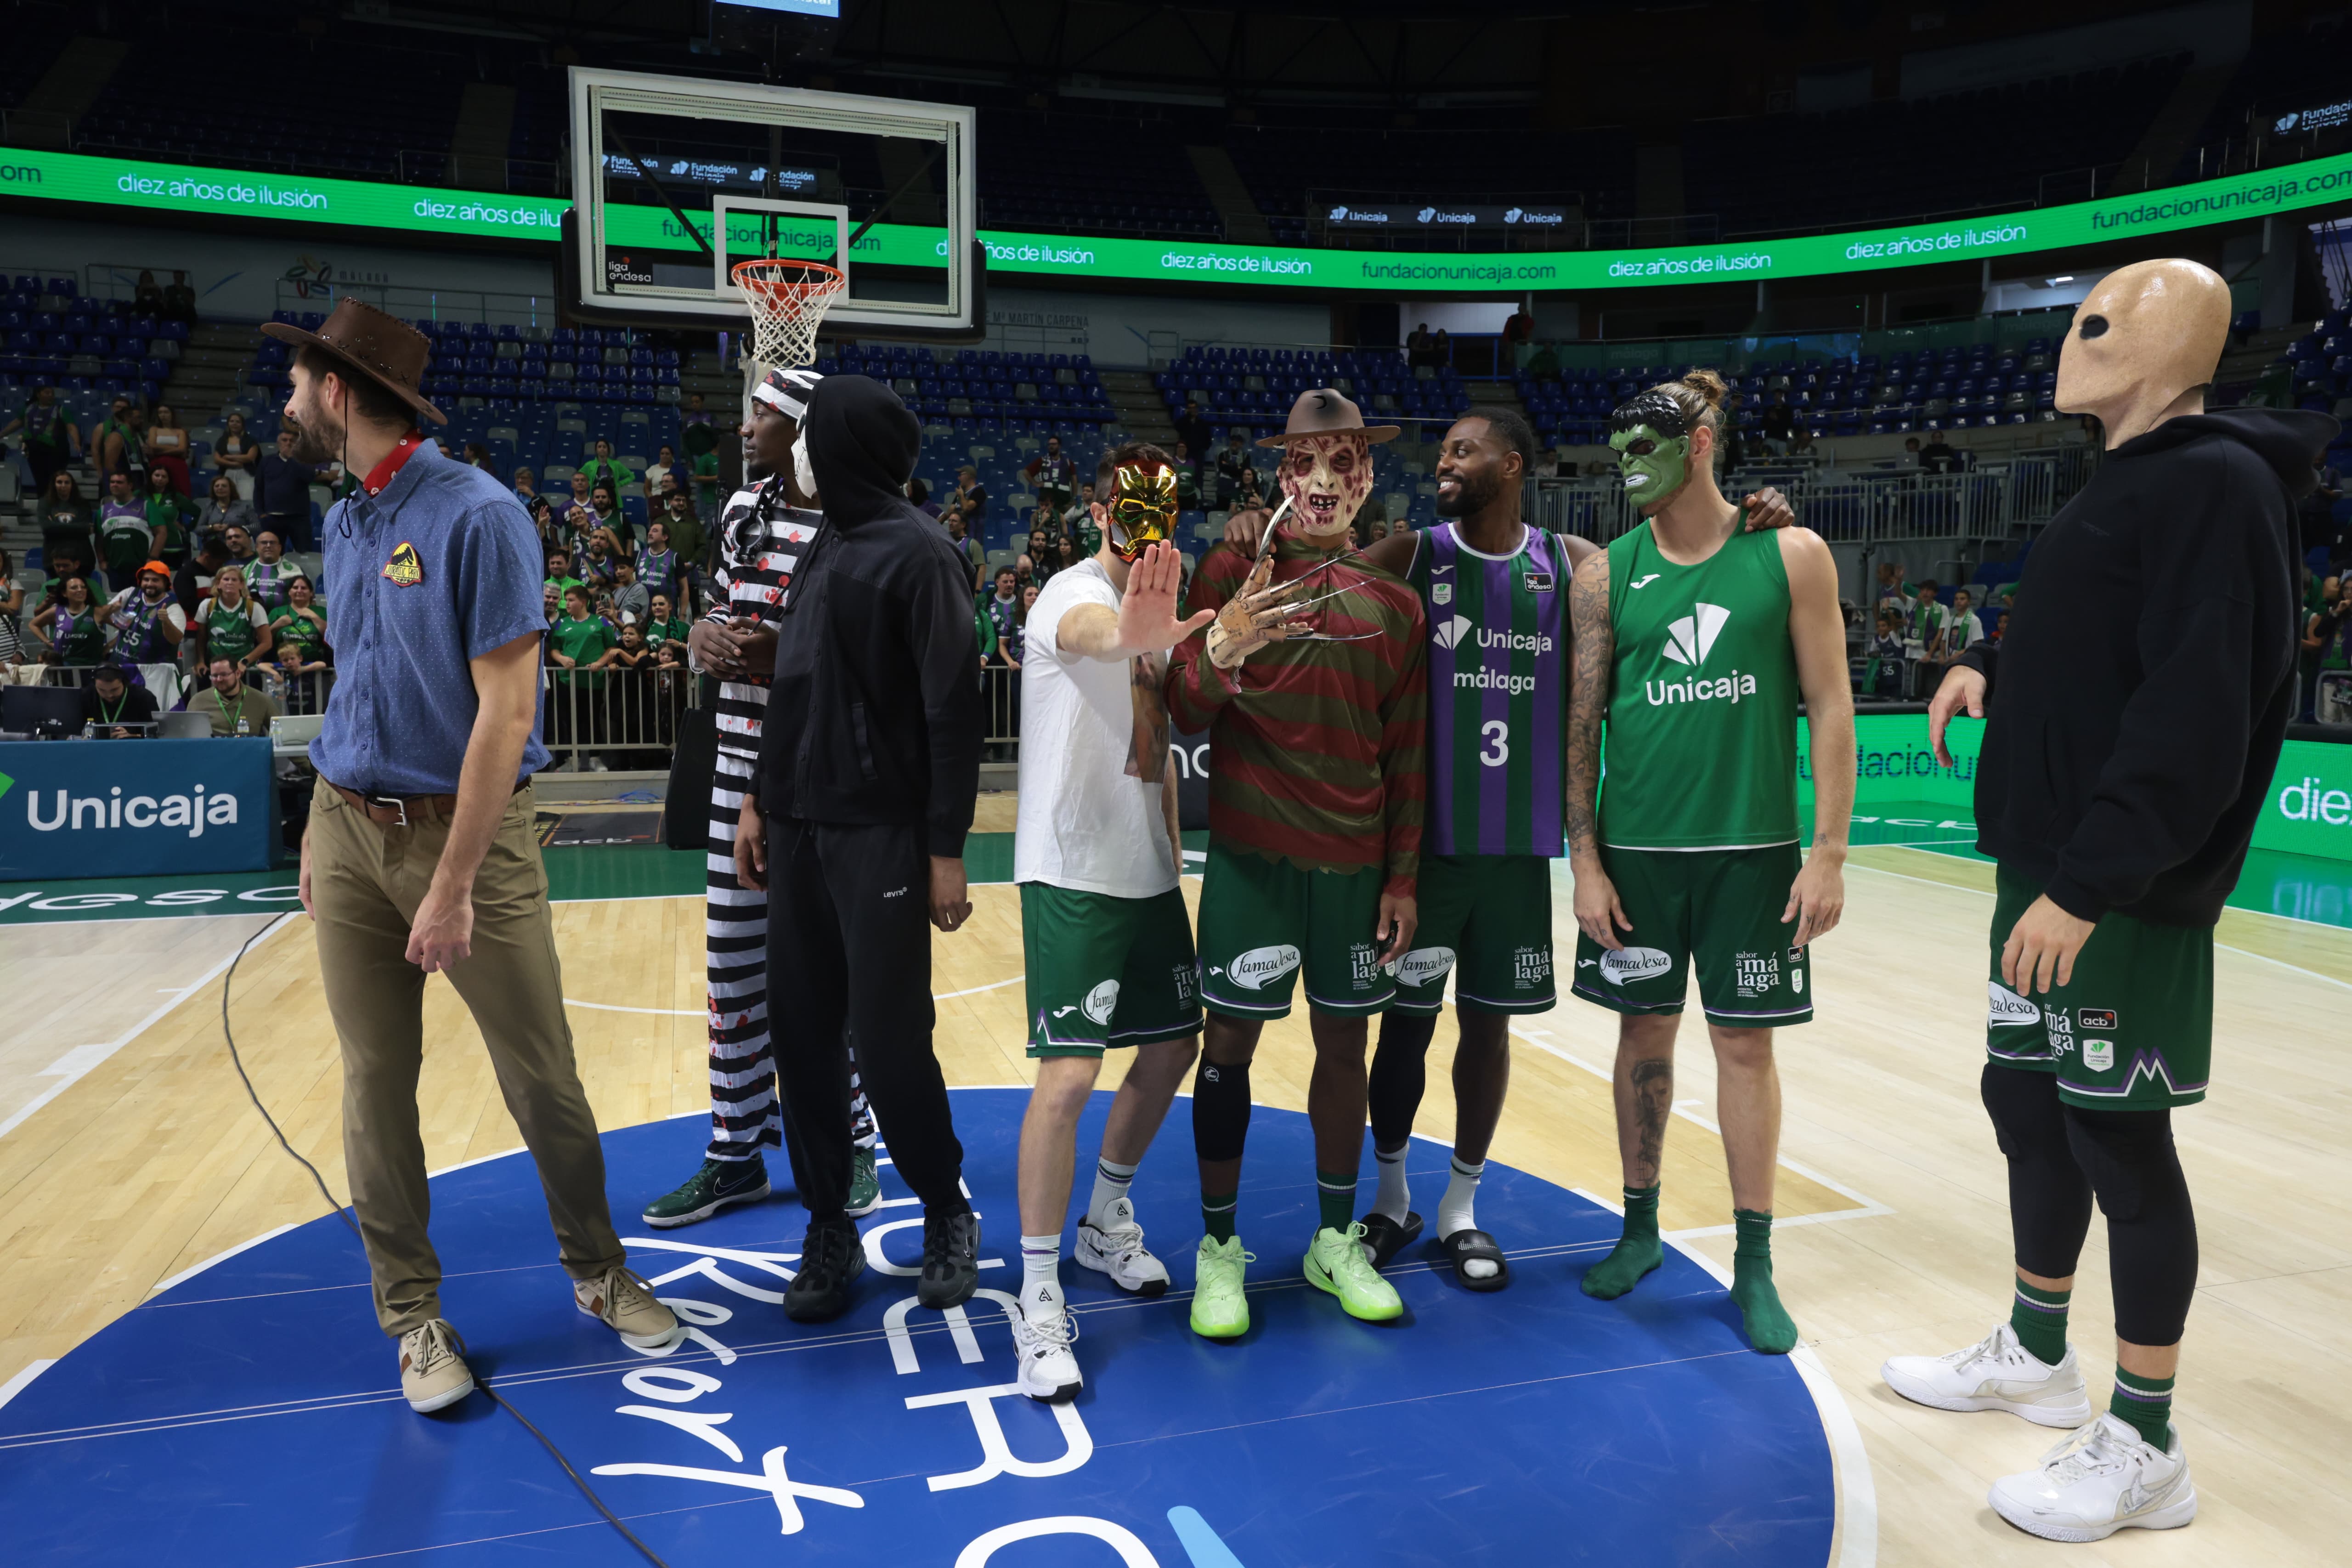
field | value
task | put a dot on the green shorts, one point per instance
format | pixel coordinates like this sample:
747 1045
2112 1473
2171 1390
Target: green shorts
1488 919
2133 1030
1715 910
1106 971
1264 921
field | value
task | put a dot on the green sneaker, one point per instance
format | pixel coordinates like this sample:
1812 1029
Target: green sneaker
864 1183
1220 1310
1336 1262
718 1185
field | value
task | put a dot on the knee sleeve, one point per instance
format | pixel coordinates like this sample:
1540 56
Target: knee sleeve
2130 1161
1220 1110
2049 1194
1398 1075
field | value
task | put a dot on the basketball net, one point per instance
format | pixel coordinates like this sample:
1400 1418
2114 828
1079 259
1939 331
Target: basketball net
788 298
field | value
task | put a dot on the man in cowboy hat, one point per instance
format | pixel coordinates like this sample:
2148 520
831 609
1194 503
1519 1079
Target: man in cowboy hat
420 854
1314 816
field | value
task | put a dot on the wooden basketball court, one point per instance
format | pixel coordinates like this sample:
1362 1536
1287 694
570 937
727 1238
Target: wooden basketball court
129 1155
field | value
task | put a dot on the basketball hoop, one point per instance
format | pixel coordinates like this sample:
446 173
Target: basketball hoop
788 298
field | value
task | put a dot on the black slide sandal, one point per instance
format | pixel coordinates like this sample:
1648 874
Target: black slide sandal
1465 1245
1387 1238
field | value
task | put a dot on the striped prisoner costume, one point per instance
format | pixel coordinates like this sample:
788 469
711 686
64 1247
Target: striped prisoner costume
760 539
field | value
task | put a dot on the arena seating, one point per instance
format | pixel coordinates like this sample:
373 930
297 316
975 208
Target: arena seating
1958 388
90 350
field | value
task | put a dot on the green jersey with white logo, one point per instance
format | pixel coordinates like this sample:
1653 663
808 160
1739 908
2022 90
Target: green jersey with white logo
1702 731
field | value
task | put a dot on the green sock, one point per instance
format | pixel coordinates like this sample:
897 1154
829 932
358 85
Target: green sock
1770 1327
2143 1403
1335 1193
1217 1214
2038 1317
1637 1251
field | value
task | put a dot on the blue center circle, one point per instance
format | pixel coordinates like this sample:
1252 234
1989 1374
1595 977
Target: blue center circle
250 1415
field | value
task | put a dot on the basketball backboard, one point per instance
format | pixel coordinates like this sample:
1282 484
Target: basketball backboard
678 178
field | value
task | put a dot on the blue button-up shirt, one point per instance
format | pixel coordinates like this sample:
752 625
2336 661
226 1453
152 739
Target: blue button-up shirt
439 569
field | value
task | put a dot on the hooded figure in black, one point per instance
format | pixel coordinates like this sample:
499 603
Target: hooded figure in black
2134 710
869 763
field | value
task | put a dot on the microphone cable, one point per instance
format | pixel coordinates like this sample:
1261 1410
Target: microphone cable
343 1214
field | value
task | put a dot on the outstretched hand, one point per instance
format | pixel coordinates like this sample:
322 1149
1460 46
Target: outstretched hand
1256 616
1147 613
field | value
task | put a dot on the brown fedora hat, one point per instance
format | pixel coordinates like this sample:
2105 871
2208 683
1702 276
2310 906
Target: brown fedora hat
1320 411
384 348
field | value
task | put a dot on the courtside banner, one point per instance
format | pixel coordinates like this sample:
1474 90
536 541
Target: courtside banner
122 808
2309 810
156 186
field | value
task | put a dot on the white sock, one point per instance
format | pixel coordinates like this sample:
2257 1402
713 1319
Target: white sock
1041 1275
1111 1181
1392 1198
1456 1209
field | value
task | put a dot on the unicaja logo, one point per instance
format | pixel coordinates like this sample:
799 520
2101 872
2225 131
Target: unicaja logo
1450 635
1339 213
191 813
2305 801
1512 215
1692 639
1259 965
1428 213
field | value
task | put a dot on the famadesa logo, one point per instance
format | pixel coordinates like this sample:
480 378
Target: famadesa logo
2006 1006
1625 965
1253 969
1688 642
194 812
1424 964
1101 1002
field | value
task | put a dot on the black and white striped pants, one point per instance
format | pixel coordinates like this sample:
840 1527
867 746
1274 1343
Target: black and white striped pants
745 1117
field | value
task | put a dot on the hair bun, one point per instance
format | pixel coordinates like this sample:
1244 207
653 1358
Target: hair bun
1708 385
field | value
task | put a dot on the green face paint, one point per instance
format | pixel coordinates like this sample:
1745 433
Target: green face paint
1653 466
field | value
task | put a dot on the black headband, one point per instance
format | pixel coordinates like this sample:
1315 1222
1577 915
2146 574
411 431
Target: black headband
1654 408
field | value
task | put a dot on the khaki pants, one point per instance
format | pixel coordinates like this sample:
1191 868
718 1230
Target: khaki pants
366 882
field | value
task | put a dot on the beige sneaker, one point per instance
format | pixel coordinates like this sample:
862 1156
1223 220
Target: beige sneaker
626 1305
433 1370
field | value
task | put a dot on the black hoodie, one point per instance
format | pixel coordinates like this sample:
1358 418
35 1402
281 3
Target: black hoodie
874 713
2139 697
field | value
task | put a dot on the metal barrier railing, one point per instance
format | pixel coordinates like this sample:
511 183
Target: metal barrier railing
617 719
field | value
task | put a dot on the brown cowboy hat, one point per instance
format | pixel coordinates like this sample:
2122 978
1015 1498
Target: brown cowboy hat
384 348
1320 411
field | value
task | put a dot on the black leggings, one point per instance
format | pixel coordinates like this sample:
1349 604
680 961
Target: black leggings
2061 1156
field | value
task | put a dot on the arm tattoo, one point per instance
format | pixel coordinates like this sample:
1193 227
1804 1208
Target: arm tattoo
1653 1102
1593 645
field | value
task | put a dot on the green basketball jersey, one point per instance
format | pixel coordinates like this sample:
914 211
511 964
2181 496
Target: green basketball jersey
229 633
1702 730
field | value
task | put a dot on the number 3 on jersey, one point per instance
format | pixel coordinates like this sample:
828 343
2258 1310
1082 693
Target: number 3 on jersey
1497 749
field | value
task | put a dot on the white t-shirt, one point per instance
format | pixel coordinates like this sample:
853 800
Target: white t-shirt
1085 823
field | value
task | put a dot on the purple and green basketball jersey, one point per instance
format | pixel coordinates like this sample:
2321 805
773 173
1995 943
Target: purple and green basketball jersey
1497 694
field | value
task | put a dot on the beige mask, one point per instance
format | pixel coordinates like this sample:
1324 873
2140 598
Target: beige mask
1328 479
2148 333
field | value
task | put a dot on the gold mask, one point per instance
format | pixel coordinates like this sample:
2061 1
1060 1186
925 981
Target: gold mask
1142 509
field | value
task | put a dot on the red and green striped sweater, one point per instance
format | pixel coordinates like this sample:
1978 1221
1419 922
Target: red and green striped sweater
1317 750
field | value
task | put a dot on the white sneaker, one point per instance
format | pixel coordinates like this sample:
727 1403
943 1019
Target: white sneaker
1994 1374
1116 1249
2103 1478
1042 1344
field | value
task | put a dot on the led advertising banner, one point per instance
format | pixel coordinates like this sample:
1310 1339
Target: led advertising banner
164 187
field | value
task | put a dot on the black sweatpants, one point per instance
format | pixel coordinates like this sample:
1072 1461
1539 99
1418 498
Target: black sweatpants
849 949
